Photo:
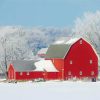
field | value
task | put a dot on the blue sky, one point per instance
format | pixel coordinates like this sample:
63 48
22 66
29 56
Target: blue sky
58 13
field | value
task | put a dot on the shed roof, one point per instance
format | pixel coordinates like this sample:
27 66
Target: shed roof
45 65
23 65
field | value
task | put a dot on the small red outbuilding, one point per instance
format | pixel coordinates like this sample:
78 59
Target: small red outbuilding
74 58
23 70
30 70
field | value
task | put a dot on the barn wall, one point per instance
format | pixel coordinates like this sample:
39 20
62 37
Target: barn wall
80 55
52 75
11 72
36 75
32 75
58 63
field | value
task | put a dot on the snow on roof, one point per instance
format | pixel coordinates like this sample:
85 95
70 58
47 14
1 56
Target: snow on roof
45 65
42 51
62 40
59 42
38 67
66 40
73 40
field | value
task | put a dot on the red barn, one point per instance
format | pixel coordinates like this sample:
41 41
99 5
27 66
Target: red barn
74 58
23 70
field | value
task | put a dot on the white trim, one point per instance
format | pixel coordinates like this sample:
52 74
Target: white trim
91 61
70 62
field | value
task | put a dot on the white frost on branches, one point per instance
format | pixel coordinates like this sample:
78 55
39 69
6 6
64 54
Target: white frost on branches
89 26
17 42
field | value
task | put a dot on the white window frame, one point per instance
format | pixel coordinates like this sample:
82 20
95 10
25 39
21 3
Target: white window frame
91 61
71 62
81 41
28 73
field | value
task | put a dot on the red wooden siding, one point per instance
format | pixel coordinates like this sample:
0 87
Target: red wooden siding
31 76
80 55
51 75
59 64
11 72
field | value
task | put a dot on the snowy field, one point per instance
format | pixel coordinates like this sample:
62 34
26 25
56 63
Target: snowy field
50 91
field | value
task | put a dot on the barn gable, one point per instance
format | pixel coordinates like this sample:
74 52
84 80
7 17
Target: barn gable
60 50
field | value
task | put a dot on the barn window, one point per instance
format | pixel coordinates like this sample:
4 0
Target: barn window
71 62
28 73
21 73
92 72
90 61
80 41
80 73
69 73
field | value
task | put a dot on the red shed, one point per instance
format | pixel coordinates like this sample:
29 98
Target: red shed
23 70
74 58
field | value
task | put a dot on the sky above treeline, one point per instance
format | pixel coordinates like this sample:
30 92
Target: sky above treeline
58 13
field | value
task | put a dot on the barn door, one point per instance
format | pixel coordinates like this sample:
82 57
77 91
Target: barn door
11 75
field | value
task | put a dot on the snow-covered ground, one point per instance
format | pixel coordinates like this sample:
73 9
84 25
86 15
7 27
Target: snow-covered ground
50 91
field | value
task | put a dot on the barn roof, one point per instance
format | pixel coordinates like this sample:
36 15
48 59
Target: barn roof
57 51
45 65
23 65
60 48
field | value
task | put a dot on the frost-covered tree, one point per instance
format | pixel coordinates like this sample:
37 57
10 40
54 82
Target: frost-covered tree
13 46
41 37
89 26
17 42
